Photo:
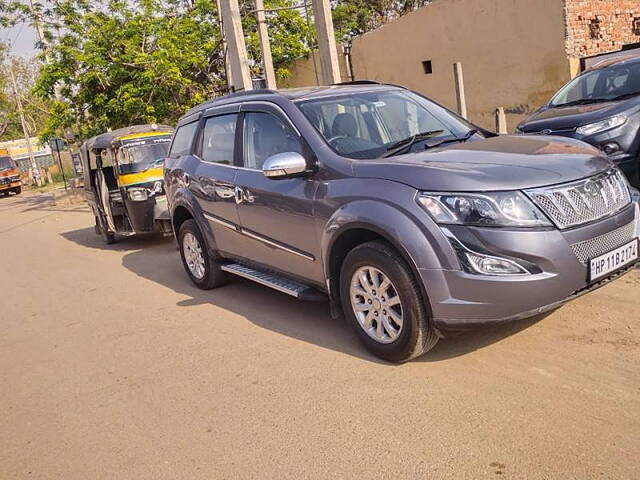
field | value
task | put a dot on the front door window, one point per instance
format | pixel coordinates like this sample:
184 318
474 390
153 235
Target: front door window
266 135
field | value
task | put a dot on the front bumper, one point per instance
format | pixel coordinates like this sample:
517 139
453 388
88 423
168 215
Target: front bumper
461 300
9 186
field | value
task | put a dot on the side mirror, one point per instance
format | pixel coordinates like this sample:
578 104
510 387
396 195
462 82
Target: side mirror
284 165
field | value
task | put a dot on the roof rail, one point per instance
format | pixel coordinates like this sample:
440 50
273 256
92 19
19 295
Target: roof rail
241 93
358 82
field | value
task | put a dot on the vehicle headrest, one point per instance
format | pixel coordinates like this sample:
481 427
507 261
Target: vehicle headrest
344 125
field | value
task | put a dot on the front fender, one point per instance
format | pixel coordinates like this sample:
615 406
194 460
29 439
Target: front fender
413 233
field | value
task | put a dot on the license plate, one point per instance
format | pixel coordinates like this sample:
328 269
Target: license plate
610 262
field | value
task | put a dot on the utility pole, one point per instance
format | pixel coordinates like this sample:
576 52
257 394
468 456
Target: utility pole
34 165
234 35
326 42
227 67
265 46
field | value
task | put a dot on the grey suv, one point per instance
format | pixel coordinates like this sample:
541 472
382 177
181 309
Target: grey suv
413 221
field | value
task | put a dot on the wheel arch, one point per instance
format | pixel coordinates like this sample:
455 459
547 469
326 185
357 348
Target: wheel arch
358 233
185 207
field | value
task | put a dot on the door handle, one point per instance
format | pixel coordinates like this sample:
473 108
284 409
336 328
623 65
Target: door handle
238 193
187 179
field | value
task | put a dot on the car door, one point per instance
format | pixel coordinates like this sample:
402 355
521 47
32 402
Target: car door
214 175
276 216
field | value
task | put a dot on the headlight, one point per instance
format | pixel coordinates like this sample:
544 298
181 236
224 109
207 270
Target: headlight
496 209
138 194
602 126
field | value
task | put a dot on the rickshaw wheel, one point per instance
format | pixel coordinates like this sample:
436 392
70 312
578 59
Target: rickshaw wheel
109 238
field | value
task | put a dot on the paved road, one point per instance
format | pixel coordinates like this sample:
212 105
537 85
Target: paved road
112 366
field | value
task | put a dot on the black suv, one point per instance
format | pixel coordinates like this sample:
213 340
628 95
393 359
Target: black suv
601 107
414 221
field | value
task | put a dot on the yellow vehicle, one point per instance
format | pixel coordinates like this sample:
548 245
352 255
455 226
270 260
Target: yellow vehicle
124 184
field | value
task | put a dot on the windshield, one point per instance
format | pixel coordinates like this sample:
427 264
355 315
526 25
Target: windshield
7 163
136 155
370 124
611 83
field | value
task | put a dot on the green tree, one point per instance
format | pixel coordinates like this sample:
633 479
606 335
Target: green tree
129 63
289 34
140 61
355 17
35 109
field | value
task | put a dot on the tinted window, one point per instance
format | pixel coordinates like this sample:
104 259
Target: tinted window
601 85
266 135
218 139
183 140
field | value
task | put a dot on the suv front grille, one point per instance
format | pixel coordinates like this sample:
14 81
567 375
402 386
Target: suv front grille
584 201
597 246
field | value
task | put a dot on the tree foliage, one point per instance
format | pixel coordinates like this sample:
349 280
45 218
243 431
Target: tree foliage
355 17
36 110
145 61
112 63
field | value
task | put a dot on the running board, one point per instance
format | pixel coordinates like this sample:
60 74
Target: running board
277 282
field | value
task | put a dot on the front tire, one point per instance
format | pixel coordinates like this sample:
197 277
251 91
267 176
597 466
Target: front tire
381 299
203 270
17 190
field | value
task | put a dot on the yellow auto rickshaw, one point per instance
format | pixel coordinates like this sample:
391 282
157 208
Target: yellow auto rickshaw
123 177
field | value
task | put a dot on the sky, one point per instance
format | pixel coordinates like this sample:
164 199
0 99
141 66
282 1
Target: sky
23 38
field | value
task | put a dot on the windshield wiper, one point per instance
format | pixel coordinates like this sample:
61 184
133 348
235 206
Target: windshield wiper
582 101
404 145
626 95
463 138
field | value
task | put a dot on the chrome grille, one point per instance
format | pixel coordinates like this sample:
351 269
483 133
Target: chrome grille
597 246
584 201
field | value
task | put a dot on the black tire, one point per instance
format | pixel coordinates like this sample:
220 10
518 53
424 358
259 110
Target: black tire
417 335
108 237
213 276
17 190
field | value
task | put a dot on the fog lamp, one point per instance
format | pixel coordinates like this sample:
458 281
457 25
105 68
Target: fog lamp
610 148
493 265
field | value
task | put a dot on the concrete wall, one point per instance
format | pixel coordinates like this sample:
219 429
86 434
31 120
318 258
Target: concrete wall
512 52
303 71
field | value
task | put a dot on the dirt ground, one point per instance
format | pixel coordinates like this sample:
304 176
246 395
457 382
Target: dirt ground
112 366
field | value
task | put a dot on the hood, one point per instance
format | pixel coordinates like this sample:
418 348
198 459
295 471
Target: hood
568 118
507 162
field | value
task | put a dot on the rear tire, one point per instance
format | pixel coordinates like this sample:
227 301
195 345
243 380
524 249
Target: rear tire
203 270
17 190
405 332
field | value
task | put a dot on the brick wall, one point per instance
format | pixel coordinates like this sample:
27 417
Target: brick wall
600 26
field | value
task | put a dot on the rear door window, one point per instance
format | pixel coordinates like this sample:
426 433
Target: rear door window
219 138
183 140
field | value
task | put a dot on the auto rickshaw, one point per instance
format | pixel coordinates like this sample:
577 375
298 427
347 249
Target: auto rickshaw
124 183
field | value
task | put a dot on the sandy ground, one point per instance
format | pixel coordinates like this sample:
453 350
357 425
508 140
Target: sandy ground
112 366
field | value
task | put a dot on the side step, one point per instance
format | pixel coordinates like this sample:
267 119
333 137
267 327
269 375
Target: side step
277 282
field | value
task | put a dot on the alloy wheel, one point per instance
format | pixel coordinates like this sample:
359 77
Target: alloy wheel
193 255
376 304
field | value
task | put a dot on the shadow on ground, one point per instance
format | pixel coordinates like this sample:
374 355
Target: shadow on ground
44 202
157 259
